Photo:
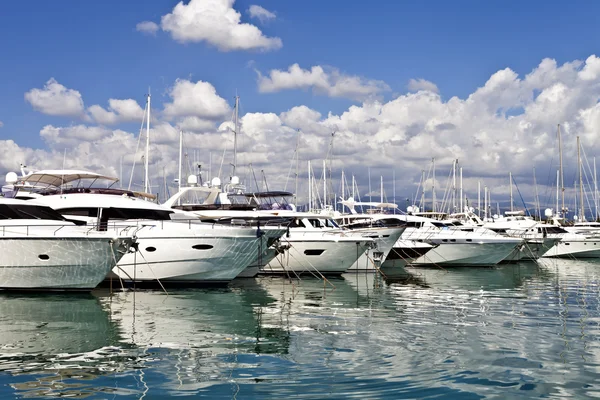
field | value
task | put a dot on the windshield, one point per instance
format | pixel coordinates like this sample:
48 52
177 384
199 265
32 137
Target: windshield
21 211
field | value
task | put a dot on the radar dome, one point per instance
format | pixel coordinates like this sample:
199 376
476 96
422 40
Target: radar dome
192 180
409 209
216 182
235 180
548 212
12 177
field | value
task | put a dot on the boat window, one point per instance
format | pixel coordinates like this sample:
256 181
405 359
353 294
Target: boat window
118 213
469 240
313 252
25 211
315 222
331 223
414 224
439 224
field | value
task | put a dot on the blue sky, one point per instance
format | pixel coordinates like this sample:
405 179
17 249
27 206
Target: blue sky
94 48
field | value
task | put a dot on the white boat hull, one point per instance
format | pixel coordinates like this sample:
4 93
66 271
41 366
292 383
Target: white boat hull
325 255
384 238
68 263
466 254
575 248
216 255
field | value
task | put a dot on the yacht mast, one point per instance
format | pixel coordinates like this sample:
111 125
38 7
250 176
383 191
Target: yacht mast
562 181
461 191
453 185
423 189
511 190
537 196
297 167
147 157
485 203
432 187
180 156
381 189
235 133
595 190
479 198
581 211
557 191
353 183
324 184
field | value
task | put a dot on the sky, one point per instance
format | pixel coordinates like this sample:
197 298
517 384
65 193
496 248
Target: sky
398 82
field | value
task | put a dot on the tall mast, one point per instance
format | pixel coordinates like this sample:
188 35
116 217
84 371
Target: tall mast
581 211
353 183
343 187
510 182
180 156
370 194
479 198
537 196
235 133
562 181
485 202
297 167
147 157
461 191
453 185
433 187
324 184
595 190
309 189
423 189
557 191
394 186
381 190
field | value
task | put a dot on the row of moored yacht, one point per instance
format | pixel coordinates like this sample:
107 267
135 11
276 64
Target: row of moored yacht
68 229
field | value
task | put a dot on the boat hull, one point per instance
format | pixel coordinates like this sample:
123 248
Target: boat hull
55 263
466 254
575 248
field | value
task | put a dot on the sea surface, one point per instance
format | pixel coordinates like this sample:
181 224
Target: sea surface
513 331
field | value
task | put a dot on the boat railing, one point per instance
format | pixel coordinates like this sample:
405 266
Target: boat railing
190 223
32 230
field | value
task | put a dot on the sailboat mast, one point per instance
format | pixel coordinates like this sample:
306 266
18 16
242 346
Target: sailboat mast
581 211
147 157
343 186
381 190
180 156
510 182
562 181
479 198
485 203
595 190
433 187
309 189
537 196
454 186
297 167
423 189
557 191
324 184
461 191
235 133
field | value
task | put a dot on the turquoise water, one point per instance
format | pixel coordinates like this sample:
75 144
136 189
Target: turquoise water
522 330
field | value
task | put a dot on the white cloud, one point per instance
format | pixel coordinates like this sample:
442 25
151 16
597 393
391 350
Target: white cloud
217 23
199 99
1 124
507 124
414 85
55 99
147 27
262 14
322 80
118 111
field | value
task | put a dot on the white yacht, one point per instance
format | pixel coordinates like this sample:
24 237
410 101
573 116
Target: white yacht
42 250
515 224
174 247
316 244
573 244
454 247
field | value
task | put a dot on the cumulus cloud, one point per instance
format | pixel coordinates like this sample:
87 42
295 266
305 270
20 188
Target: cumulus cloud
127 110
507 124
414 85
147 27
195 99
260 13
322 80
56 99
215 22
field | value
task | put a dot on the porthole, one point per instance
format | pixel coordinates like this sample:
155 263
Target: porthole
444 240
453 240
202 246
567 244
469 240
150 249
313 252
44 257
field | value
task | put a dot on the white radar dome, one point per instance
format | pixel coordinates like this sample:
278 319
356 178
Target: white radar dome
235 180
192 180
216 182
12 177
548 212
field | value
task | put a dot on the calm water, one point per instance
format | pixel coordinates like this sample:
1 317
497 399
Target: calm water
522 330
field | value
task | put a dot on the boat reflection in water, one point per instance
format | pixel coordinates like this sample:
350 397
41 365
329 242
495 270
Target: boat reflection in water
501 332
